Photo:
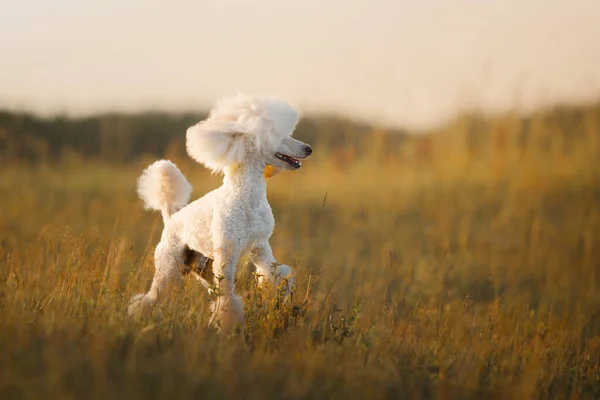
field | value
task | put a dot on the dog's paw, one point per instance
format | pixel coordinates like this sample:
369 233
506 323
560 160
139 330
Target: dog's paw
228 312
141 306
281 277
284 278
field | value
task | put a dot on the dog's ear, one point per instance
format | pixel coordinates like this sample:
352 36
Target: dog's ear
216 144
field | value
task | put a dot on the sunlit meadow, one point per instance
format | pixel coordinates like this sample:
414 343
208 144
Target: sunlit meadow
464 263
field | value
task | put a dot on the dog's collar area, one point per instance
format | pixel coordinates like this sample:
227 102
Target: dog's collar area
270 171
289 160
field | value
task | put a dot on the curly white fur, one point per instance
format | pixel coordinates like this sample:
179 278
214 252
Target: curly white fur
213 142
240 138
163 187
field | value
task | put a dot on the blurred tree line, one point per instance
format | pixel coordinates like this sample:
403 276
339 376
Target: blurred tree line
124 138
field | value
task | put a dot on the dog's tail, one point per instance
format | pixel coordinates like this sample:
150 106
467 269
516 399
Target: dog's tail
163 187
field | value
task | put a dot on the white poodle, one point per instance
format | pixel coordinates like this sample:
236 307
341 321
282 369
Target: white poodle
241 137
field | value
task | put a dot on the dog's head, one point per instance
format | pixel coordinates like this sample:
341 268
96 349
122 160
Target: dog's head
245 129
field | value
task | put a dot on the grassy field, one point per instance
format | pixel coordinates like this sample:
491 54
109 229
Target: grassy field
442 268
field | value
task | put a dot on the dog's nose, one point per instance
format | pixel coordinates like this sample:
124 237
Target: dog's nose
308 149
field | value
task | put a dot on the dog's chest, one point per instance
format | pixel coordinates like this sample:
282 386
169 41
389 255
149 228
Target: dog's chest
261 223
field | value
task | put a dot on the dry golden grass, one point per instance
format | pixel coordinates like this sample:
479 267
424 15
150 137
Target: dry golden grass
445 268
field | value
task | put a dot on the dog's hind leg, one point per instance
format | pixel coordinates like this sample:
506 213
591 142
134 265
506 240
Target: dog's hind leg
268 269
168 262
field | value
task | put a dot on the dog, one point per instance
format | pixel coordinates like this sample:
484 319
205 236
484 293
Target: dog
243 137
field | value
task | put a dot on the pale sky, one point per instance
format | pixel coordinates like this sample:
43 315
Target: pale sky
411 63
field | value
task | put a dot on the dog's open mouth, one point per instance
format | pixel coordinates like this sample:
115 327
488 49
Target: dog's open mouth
291 161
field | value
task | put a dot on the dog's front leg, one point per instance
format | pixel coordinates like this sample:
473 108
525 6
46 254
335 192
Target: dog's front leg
227 307
268 269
